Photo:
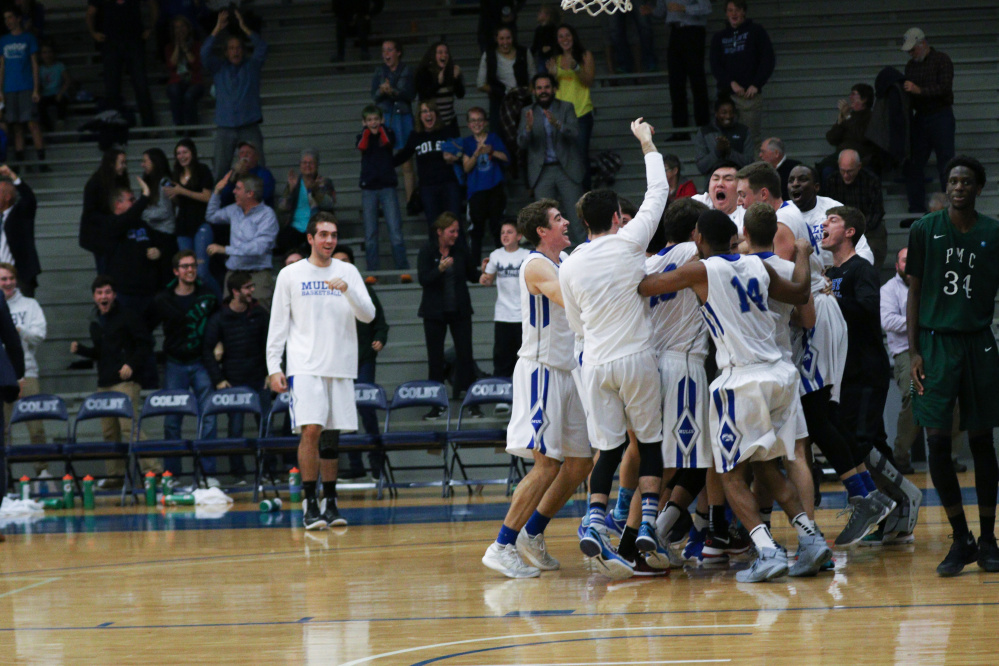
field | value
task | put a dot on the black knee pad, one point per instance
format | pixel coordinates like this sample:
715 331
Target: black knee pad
329 445
651 459
602 476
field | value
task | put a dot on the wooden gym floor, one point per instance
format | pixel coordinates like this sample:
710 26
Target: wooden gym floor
404 585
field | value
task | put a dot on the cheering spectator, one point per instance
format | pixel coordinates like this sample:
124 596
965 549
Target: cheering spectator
724 140
545 37
111 176
17 240
121 38
248 162
190 191
371 339
393 90
253 230
929 80
496 14
548 132
674 171
56 84
306 194
439 188
505 75
860 188
575 70
484 157
444 268
240 326
849 132
186 84
158 213
439 79
742 61
503 270
22 89
687 21
237 90
378 188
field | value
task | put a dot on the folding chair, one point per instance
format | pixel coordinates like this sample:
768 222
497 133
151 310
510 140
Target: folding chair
235 400
39 407
488 391
168 402
423 393
103 404
268 443
367 396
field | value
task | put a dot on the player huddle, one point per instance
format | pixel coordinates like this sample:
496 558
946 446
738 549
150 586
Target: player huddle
623 338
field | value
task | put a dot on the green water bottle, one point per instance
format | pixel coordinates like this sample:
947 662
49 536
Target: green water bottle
167 484
295 485
271 505
24 488
178 499
150 486
88 492
52 503
67 491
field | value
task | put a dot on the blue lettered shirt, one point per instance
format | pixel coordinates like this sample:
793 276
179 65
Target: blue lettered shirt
17 51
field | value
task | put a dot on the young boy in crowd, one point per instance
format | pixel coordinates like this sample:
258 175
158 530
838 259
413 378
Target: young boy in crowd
502 268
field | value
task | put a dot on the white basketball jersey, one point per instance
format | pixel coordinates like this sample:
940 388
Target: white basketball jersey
546 337
737 313
781 311
676 325
791 217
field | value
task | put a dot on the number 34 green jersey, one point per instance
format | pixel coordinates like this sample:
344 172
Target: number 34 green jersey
959 272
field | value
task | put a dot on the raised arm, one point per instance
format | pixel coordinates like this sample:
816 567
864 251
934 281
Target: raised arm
641 229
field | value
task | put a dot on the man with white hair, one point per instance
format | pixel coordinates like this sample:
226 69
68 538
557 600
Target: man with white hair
772 152
929 80
859 188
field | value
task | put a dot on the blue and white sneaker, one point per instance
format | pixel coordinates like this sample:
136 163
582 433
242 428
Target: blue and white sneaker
584 525
647 542
604 559
614 524
772 563
663 556
695 543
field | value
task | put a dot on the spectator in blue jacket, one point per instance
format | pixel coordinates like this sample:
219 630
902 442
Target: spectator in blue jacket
237 90
742 61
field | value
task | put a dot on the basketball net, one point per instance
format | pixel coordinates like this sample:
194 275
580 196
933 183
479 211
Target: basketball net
594 7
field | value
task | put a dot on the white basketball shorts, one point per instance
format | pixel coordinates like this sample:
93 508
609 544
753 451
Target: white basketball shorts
820 353
325 401
685 413
547 415
623 393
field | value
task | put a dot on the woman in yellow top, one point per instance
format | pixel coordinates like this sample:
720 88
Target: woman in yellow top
575 70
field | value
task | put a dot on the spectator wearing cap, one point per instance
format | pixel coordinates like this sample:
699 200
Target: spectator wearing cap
237 90
929 80
306 194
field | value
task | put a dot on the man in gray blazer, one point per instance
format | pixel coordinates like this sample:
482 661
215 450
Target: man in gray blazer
548 133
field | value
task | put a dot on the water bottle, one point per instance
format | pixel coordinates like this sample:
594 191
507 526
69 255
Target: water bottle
178 499
269 506
295 485
88 492
67 491
24 488
52 503
168 484
150 486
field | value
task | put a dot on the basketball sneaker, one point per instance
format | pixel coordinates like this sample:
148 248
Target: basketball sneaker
695 543
660 556
643 569
813 552
771 563
584 525
881 537
865 514
507 561
963 551
331 514
717 548
605 559
675 534
313 519
614 524
988 554
532 549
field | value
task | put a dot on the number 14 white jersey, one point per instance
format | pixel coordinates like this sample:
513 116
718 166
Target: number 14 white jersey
736 311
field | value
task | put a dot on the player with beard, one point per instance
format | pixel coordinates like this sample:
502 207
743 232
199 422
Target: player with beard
803 187
721 194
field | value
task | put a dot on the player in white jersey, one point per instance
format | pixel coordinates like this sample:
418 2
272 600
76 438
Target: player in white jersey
721 194
619 374
819 353
753 417
316 302
547 422
803 188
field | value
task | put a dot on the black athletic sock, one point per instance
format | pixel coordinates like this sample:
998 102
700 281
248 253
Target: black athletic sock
309 488
959 524
938 458
986 481
329 490
716 520
626 548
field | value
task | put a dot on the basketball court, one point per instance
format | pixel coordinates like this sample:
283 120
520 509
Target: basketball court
403 584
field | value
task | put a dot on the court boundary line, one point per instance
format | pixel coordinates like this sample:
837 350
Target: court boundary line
44 581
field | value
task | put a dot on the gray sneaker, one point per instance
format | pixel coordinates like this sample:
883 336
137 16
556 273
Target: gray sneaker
812 554
888 502
532 549
772 563
865 514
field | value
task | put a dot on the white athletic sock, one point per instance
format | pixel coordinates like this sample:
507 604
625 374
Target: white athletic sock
803 525
700 522
762 538
670 514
